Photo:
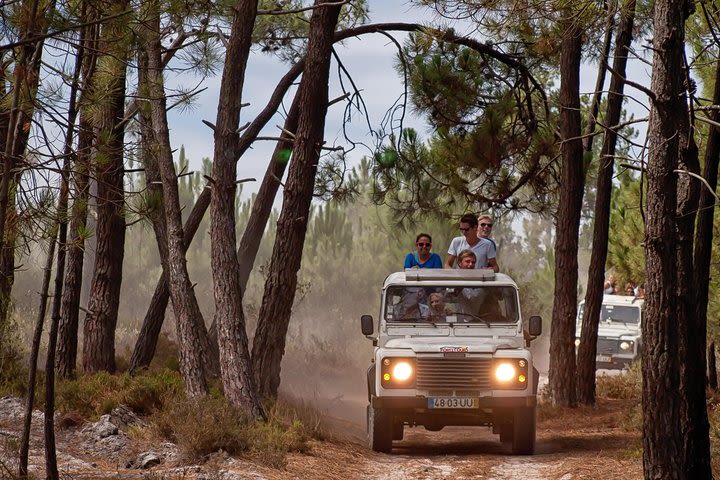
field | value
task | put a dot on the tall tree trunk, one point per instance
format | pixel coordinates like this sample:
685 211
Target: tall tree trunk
596 271
191 332
100 322
662 432
70 305
269 341
235 366
49 421
34 353
692 331
562 335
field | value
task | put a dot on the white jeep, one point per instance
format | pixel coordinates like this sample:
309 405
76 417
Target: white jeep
451 349
619 340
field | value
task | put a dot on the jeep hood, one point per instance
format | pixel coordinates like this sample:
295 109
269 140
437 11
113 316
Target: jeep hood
457 344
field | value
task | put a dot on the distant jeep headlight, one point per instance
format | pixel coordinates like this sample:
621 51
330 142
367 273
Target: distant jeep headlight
510 373
577 342
397 372
626 345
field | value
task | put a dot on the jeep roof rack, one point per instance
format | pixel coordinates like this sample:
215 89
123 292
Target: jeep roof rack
416 274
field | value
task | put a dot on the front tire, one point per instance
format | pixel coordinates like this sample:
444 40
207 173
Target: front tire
523 428
380 429
398 430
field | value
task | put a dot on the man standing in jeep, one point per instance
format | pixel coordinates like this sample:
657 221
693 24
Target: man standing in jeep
484 249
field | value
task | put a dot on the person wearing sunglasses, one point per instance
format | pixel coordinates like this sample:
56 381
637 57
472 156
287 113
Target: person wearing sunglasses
422 257
485 228
483 249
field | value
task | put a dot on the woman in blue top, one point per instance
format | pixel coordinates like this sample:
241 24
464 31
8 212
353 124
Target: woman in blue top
422 258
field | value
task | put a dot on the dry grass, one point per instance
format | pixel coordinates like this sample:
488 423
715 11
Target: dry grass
93 395
205 427
626 385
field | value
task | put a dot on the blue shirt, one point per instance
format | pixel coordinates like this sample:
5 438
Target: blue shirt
412 261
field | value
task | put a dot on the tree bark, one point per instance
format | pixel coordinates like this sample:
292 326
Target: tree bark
562 336
662 432
70 305
235 366
596 271
191 332
100 322
280 286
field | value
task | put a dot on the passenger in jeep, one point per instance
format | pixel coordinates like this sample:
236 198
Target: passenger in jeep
438 310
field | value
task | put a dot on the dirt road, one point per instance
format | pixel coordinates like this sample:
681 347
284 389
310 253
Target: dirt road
572 444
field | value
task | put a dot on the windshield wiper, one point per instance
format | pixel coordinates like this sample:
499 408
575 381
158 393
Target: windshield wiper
485 321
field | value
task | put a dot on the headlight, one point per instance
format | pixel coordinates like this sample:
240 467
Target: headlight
577 342
397 372
511 373
626 345
504 372
402 371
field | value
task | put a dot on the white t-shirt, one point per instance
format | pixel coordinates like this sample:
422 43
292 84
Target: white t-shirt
484 250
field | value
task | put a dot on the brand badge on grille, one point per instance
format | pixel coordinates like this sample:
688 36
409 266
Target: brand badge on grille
453 349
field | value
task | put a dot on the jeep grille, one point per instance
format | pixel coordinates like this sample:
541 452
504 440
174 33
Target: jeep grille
443 373
607 345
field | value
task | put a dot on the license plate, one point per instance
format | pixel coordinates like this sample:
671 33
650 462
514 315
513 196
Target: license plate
452 402
604 358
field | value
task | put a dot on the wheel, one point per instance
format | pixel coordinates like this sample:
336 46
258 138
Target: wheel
523 431
379 427
398 429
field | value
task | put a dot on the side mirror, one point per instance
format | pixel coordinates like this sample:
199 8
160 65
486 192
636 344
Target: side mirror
535 325
367 325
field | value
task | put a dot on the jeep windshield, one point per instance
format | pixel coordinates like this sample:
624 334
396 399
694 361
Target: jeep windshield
457 304
628 315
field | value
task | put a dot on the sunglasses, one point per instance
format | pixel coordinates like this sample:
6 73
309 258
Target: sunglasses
424 244
464 229
486 224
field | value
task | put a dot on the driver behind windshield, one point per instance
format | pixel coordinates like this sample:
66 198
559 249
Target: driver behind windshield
410 306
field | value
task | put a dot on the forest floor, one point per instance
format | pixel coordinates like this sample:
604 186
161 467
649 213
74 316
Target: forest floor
583 443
